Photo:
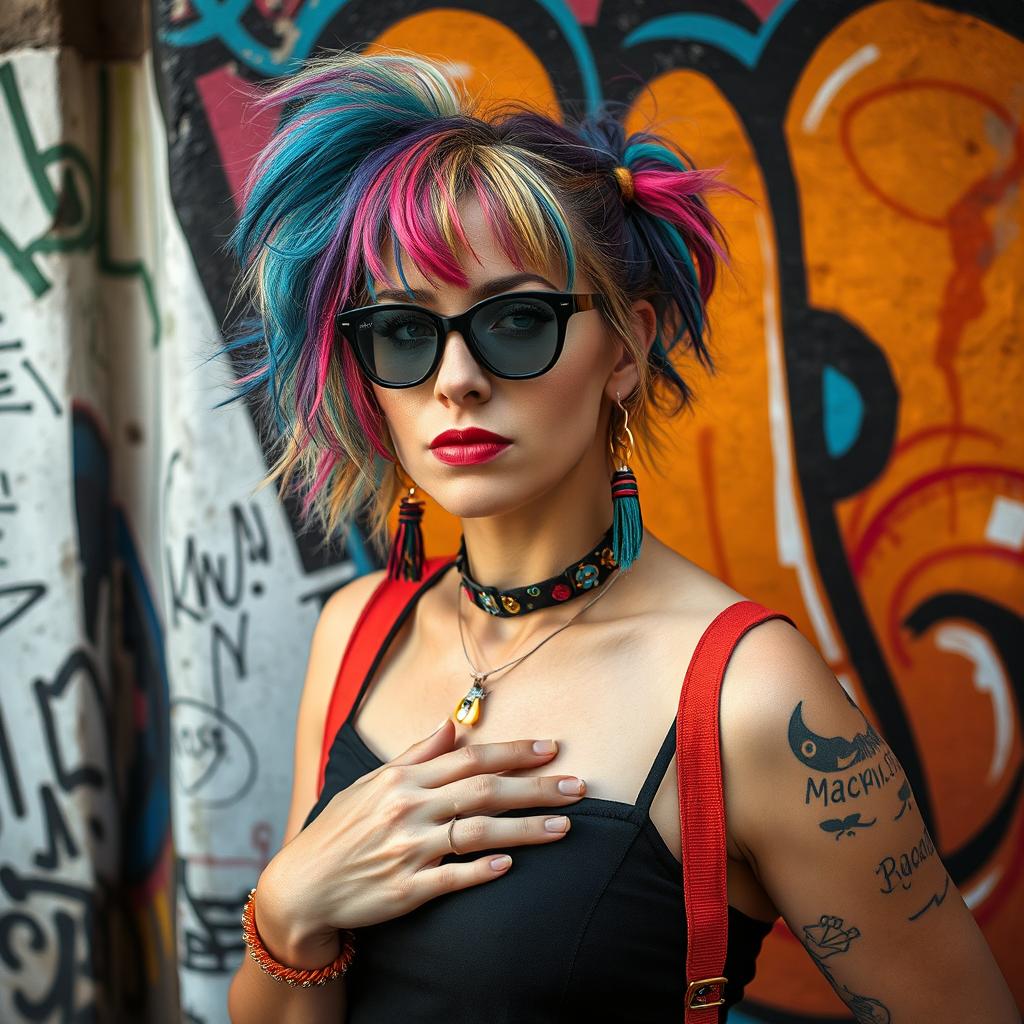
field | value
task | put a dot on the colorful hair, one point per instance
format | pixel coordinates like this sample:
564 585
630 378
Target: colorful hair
374 154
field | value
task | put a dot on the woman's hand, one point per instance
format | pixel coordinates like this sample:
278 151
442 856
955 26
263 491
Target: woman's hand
375 850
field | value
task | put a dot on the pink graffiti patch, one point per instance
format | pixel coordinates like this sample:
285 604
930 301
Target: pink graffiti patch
762 8
239 133
586 11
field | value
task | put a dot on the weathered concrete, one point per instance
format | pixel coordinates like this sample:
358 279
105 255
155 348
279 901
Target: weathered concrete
95 29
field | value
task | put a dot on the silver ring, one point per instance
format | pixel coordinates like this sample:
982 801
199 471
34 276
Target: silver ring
451 825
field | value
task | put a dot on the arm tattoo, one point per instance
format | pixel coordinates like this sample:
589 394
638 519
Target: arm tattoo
933 902
845 826
845 769
831 753
901 869
829 938
905 796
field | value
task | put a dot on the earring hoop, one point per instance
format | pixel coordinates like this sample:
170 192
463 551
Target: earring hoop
618 444
628 524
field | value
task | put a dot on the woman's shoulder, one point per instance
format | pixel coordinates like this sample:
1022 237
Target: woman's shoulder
670 583
677 585
770 667
345 604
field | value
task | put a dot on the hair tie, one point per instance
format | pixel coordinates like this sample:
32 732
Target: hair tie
624 176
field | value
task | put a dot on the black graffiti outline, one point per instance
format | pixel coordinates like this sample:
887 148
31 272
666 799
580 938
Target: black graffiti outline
217 947
221 574
35 592
78 661
249 749
92 927
11 776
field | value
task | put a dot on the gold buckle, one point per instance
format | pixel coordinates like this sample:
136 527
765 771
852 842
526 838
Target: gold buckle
697 987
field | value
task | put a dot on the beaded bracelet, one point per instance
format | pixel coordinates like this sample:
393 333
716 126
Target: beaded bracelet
291 975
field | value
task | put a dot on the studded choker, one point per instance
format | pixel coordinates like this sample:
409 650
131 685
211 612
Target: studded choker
582 575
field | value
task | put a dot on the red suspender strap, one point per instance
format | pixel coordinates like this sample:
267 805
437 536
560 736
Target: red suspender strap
379 614
702 808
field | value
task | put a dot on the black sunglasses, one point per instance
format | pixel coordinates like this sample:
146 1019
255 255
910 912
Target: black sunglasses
516 335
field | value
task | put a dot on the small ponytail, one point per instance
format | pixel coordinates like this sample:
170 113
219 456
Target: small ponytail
624 176
673 243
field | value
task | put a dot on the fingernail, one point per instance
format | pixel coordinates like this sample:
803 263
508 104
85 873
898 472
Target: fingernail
570 787
500 863
559 824
441 725
544 746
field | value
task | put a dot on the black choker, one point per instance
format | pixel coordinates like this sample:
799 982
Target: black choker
584 574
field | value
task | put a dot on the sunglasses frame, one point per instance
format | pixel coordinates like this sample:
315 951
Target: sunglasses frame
562 304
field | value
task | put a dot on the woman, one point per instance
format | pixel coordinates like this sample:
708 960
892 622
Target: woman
482 306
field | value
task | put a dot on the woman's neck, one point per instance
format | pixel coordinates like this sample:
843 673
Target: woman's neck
542 537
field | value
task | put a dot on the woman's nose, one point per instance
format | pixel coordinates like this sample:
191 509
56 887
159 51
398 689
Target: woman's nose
460 377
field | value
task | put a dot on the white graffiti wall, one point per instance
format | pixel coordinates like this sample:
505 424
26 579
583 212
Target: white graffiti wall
154 615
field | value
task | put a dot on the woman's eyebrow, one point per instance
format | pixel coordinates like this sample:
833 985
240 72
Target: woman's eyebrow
481 291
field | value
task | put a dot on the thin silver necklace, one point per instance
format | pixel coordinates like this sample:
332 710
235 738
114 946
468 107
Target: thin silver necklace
467 711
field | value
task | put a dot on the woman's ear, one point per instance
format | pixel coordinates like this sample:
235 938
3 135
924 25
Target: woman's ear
624 377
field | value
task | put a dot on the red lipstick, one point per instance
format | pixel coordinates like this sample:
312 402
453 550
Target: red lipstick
468 447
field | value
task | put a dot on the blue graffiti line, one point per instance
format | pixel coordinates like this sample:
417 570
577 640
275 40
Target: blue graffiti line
150 786
221 19
844 411
745 46
579 47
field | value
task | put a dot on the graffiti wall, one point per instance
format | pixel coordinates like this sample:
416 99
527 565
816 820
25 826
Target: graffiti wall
85 839
142 583
155 610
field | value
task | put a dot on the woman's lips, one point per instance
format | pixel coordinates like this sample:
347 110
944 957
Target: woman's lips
468 447
469 454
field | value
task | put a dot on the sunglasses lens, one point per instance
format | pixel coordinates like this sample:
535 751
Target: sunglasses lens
517 335
399 345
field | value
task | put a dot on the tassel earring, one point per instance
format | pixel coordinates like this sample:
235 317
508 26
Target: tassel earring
405 560
628 524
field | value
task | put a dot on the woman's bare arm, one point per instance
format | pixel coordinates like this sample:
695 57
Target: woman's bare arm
822 809
254 997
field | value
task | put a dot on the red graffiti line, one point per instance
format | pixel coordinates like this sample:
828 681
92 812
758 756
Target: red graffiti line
901 448
705 462
880 522
971 237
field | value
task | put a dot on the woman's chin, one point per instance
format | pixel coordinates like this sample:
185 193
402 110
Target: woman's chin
483 498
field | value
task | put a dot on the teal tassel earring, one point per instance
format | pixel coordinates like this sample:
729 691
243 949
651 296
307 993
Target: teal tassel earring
405 559
628 524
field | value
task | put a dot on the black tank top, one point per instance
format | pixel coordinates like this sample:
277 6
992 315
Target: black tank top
592 926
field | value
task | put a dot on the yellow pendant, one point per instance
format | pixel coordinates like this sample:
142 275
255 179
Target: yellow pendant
467 711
